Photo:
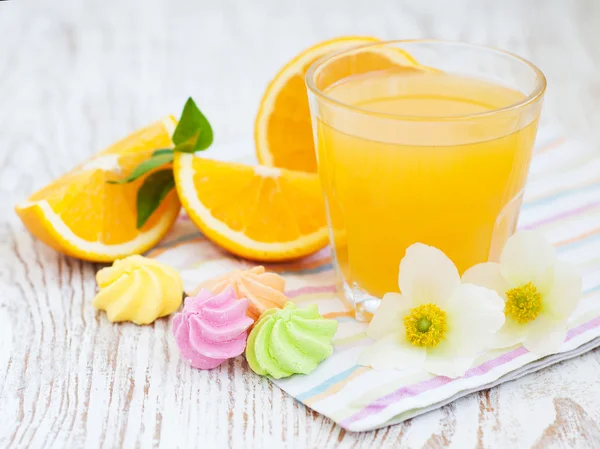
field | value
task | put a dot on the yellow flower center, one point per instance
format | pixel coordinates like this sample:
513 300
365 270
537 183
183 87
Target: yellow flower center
425 325
523 304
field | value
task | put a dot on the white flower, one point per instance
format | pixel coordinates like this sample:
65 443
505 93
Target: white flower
437 323
540 292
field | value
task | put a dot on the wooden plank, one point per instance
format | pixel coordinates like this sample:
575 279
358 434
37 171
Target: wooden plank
76 75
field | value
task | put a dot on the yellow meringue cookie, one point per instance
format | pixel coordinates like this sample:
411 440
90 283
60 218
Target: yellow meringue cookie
139 290
263 290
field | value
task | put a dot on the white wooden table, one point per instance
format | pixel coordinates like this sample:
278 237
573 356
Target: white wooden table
77 75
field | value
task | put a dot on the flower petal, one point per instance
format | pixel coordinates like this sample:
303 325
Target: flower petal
474 314
389 316
427 275
488 275
509 335
544 336
565 293
392 352
443 361
528 257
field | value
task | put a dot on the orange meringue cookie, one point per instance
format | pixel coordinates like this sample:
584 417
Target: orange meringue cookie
263 290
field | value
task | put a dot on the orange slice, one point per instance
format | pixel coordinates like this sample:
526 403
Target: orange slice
282 130
257 212
84 216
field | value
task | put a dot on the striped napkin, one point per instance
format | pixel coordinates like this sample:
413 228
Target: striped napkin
562 200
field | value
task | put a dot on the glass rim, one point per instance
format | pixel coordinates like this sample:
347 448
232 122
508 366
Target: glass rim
535 95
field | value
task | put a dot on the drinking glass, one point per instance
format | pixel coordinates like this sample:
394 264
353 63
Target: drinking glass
420 141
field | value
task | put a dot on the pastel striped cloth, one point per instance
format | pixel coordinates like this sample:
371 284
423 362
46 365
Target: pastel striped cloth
562 199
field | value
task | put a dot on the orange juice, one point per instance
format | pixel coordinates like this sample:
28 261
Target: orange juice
419 159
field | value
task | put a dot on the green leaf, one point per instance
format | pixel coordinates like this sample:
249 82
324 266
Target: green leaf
189 146
162 151
153 190
192 127
155 161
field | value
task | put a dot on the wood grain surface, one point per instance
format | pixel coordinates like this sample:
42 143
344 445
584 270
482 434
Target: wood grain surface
77 75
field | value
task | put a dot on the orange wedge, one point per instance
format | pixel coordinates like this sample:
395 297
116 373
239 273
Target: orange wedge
257 212
282 130
84 216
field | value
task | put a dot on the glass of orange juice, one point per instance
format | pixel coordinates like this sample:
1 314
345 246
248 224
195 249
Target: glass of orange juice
420 141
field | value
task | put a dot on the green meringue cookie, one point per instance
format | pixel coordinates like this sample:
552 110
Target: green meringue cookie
289 341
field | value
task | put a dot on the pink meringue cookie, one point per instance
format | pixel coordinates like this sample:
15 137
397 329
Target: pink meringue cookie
212 328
